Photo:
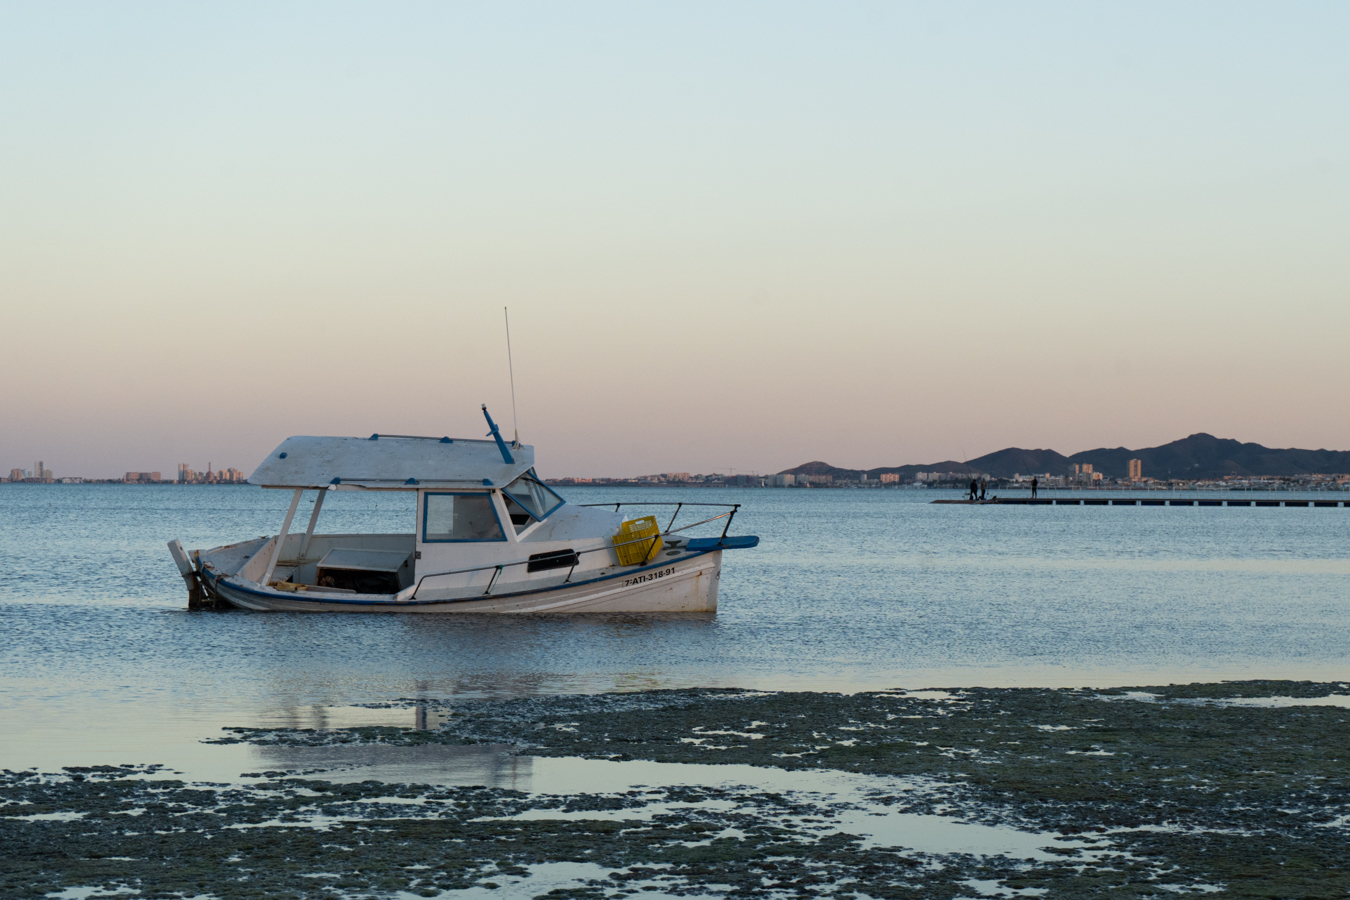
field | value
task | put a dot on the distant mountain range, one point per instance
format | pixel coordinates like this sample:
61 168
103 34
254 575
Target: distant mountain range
1197 456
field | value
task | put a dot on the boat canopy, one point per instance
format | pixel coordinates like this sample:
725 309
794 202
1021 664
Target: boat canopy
392 462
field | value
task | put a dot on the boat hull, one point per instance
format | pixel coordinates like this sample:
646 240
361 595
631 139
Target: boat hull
685 585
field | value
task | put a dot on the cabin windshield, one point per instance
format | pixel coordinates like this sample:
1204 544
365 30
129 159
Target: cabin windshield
531 495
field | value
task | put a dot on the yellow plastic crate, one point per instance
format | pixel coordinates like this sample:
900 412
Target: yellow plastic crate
628 541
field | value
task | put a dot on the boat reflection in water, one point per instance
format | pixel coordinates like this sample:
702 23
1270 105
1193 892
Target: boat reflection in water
489 765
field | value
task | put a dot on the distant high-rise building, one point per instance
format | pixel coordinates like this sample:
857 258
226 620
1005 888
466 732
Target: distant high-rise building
17 475
889 478
1136 470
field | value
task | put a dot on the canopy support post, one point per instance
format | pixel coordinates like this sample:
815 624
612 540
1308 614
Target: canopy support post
313 517
281 538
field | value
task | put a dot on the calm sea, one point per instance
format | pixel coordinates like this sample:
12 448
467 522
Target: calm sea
848 590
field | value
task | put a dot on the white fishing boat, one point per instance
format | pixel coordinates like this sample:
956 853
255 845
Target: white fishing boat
489 536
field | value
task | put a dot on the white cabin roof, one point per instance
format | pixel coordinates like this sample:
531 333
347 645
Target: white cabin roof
390 463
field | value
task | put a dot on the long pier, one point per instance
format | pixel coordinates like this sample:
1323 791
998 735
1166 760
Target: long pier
1137 501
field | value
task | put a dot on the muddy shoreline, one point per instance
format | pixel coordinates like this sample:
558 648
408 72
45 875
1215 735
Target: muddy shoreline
1240 789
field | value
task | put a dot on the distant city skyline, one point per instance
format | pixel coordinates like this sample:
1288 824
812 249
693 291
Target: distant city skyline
185 475
730 236
1198 456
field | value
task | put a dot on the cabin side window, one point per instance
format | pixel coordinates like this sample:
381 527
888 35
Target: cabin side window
460 517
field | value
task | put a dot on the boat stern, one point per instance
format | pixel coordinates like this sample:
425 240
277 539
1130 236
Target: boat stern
201 568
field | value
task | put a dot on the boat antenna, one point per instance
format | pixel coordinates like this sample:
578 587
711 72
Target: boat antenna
510 366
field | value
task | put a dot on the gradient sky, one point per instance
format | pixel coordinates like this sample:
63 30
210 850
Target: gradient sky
732 236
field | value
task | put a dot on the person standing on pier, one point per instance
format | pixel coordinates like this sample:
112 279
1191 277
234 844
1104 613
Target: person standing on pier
1034 482
974 488
984 486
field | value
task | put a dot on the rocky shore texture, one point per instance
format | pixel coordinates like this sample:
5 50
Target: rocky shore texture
1147 792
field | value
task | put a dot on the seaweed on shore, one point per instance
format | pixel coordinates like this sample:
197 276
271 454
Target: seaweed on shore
1147 792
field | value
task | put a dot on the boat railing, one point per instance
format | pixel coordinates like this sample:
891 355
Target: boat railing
496 568
733 507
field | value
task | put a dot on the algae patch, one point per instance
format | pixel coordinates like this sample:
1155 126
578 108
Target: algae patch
1151 791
